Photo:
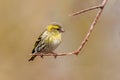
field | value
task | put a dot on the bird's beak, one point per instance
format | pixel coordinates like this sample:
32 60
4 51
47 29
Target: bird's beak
62 30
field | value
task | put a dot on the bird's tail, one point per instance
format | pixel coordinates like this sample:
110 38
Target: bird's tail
32 58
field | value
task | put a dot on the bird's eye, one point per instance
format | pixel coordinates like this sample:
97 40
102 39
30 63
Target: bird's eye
58 29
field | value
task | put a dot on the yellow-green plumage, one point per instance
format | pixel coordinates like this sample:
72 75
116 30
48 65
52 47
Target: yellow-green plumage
48 41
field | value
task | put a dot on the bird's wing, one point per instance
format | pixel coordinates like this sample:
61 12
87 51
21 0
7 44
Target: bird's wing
39 41
36 43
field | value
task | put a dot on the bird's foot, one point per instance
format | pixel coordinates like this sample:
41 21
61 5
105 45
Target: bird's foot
54 54
42 55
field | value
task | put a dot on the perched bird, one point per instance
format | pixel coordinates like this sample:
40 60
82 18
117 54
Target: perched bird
48 41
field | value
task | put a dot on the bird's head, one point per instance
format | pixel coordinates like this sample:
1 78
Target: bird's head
55 28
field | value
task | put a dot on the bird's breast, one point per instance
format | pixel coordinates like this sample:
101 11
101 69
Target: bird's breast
54 42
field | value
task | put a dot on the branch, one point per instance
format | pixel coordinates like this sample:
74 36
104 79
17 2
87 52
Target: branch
85 10
89 9
77 51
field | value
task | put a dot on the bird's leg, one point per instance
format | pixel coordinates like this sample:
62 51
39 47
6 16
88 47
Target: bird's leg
42 55
54 54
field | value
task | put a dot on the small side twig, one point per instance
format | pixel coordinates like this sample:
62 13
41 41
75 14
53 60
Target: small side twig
85 10
77 51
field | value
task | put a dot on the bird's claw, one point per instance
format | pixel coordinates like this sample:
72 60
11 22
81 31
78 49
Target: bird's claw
42 56
55 56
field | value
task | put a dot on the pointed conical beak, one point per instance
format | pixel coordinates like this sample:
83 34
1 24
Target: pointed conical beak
62 30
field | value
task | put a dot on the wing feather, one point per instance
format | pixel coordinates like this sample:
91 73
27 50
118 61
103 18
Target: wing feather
39 44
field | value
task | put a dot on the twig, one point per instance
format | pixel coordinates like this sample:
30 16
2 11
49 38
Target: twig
91 8
85 10
76 52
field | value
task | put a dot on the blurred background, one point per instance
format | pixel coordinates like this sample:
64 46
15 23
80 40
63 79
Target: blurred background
21 22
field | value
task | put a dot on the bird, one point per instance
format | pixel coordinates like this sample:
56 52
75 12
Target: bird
48 41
